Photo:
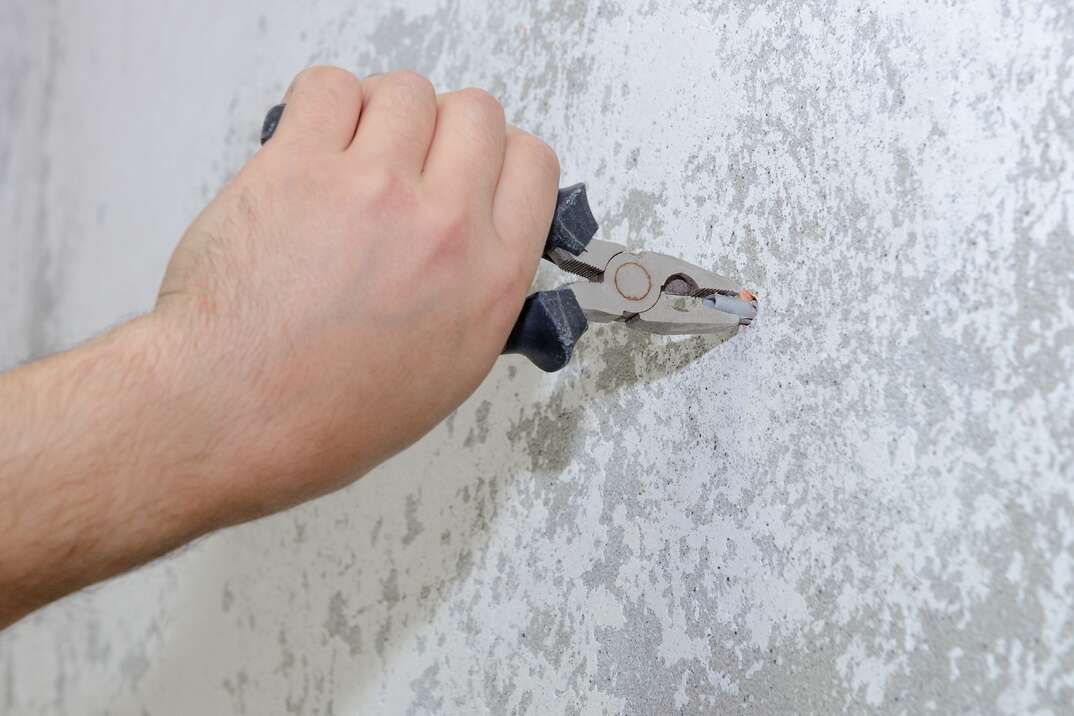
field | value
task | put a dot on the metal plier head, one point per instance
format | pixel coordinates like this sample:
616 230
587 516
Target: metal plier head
646 291
655 293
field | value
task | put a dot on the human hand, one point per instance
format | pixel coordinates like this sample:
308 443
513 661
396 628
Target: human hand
354 282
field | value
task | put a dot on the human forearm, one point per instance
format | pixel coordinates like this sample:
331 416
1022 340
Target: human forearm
103 465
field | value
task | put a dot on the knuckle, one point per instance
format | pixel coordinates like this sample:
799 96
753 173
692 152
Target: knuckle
328 93
385 189
410 82
450 226
482 106
329 78
543 156
446 239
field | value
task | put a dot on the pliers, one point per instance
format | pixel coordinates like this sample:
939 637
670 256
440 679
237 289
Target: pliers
646 291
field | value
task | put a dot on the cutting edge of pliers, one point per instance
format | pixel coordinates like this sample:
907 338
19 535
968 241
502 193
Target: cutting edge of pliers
654 292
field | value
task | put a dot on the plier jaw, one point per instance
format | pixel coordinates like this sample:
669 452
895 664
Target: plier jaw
646 291
678 315
657 293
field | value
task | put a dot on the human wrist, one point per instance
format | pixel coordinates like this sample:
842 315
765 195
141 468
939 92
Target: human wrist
191 423
170 456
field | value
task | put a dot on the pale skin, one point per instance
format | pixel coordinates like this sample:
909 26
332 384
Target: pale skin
341 295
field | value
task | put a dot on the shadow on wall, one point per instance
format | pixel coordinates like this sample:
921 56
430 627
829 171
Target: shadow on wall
360 573
632 358
549 432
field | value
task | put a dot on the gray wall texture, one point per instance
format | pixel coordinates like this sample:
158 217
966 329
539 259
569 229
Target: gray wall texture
865 503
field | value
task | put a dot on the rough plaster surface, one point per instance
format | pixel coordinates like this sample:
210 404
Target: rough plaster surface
865 503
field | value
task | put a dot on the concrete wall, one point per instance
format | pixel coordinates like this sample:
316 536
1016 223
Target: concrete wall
864 503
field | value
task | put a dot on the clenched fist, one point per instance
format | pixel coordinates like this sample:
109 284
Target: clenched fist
358 278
